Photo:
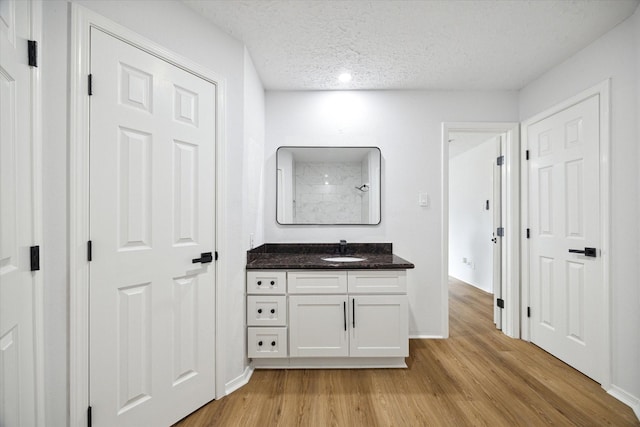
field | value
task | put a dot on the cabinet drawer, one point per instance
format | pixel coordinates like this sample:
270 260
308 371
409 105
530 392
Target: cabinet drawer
377 282
266 282
267 310
317 282
267 342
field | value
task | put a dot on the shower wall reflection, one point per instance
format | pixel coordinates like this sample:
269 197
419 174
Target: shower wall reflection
328 185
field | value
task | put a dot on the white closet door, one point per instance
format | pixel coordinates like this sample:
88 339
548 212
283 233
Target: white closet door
18 405
152 317
566 287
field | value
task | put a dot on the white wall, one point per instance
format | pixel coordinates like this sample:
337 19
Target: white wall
177 28
470 224
614 55
407 128
252 224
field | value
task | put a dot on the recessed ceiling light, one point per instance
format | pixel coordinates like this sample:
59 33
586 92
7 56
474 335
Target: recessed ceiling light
345 77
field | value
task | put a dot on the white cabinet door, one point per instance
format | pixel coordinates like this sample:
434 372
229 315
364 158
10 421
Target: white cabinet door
379 326
318 326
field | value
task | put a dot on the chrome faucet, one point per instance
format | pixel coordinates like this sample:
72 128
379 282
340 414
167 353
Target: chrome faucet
342 250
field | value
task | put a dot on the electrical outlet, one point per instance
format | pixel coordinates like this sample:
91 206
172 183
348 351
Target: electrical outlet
464 260
251 240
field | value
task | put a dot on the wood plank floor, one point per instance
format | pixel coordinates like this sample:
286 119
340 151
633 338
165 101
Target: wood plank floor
476 377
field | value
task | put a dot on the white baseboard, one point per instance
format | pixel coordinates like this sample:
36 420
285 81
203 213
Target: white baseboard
329 363
239 381
626 398
425 337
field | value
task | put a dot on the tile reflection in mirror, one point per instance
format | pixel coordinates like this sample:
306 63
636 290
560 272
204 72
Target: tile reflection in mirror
328 185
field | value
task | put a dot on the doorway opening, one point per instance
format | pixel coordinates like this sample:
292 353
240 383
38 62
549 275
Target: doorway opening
469 228
475 212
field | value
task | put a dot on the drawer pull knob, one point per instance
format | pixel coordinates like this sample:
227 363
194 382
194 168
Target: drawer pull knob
273 310
273 343
259 310
273 283
260 343
259 282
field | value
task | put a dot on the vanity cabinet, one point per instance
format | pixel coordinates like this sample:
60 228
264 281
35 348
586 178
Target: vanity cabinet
333 317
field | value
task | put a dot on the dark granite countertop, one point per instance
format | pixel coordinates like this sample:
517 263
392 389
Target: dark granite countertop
308 256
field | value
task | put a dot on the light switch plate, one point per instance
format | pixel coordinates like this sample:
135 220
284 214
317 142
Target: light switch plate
423 200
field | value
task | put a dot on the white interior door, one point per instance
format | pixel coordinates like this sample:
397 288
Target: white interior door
18 337
566 289
152 200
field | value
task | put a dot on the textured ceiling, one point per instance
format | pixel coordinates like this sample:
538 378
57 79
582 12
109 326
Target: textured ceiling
393 44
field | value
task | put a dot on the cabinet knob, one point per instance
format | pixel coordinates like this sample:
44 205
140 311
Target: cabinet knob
259 343
259 282
273 343
273 283
273 310
259 310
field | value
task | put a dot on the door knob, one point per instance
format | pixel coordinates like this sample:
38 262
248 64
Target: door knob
587 252
205 257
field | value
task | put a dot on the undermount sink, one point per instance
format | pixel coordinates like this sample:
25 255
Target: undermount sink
343 259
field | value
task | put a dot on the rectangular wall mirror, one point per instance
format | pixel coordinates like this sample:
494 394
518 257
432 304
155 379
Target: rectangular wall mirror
328 185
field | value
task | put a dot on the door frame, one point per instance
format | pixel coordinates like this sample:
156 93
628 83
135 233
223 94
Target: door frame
82 20
511 242
602 90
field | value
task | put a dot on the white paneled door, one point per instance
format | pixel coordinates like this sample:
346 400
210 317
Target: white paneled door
152 216
18 310
566 281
